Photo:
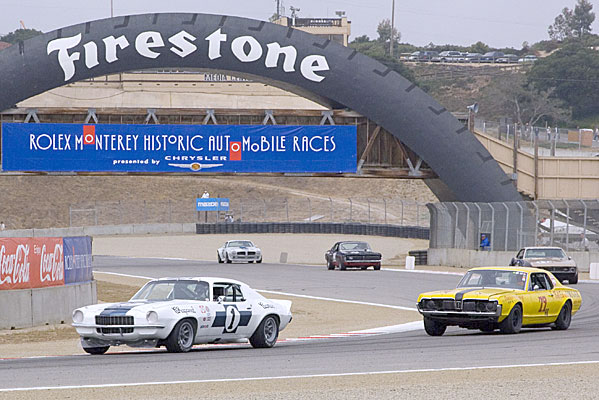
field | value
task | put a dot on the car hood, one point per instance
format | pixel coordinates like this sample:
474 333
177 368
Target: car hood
351 252
244 248
130 307
551 261
467 293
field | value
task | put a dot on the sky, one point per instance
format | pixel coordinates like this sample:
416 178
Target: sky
498 23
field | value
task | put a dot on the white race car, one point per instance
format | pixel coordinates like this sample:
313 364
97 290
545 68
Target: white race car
239 250
180 312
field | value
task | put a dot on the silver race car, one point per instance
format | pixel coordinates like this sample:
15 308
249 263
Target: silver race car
180 312
239 250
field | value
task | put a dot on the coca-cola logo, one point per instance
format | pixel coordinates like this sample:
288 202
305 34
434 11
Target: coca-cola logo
14 267
52 264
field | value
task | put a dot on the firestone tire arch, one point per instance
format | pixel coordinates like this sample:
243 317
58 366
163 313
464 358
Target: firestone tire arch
467 171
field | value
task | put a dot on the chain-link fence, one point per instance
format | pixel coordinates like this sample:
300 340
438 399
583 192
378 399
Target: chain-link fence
507 226
285 209
551 140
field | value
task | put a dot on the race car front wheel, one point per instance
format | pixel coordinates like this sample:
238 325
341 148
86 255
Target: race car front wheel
513 322
96 350
220 260
181 338
267 333
433 327
564 318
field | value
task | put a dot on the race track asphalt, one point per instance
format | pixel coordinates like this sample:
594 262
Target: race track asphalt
413 350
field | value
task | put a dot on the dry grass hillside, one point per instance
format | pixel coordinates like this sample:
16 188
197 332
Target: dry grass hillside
44 201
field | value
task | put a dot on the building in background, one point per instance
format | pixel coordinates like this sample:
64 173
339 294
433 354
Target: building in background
334 29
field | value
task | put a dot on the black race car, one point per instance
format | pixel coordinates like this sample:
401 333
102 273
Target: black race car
352 255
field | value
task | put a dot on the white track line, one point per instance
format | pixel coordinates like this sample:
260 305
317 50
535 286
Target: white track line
264 378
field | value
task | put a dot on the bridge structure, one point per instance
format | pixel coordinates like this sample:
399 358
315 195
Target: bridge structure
351 87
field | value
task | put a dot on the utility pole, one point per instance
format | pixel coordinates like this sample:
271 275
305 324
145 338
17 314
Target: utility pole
392 28
278 13
111 8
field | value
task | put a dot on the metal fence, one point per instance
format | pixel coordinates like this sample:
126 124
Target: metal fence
509 226
390 211
551 140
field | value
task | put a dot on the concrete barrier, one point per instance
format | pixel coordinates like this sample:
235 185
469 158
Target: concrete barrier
100 230
594 270
463 258
53 305
410 262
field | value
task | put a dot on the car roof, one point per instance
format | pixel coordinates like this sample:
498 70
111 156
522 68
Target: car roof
209 279
543 247
514 269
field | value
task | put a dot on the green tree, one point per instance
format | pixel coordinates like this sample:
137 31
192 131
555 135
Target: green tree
384 31
19 35
479 47
380 52
571 74
573 23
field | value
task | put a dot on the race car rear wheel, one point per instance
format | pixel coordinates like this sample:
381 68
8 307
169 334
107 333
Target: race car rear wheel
96 350
267 333
181 338
433 327
513 322
564 318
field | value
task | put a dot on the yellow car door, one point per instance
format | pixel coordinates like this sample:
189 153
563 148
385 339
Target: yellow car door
541 306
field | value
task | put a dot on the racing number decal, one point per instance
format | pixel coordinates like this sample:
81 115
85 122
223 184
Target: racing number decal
543 306
232 319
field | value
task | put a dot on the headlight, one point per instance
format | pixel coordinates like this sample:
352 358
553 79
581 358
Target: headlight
152 317
77 316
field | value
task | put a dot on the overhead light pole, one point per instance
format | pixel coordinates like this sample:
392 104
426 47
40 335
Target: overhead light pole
392 28
112 9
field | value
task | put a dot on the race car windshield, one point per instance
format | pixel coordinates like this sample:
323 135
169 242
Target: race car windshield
173 290
494 278
355 246
240 243
544 253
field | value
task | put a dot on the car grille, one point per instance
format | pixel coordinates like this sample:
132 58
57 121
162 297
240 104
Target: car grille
363 258
456 306
114 320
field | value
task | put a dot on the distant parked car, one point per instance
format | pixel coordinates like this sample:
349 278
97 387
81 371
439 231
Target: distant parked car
239 250
352 255
491 56
528 59
423 56
472 57
508 59
552 259
448 56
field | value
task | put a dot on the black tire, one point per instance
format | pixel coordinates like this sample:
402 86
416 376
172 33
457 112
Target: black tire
96 350
433 327
574 280
181 338
330 266
266 334
564 318
342 266
251 261
513 322
227 259
377 267
363 268
220 260
487 328
259 261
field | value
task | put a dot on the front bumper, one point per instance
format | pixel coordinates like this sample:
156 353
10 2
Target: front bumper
120 334
462 318
362 263
245 257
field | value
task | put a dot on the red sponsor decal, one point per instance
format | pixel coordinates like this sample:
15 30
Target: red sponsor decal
27 263
235 151
89 134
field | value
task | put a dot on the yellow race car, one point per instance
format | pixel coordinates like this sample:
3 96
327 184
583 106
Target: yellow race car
504 298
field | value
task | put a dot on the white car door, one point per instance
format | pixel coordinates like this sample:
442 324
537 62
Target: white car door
233 312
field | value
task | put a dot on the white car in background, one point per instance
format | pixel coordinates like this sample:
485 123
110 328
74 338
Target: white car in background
239 250
180 312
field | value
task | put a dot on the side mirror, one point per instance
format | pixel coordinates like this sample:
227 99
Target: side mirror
536 287
220 299
569 258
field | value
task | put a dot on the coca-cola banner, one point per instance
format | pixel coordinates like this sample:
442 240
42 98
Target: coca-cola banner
77 259
27 263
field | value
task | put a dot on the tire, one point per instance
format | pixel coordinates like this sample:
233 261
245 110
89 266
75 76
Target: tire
227 259
96 350
259 261
266 334
363 268
181 338
251 261
220 260
513 322
487 328
434 328
564 318
342 266
330 266
574 280
377 267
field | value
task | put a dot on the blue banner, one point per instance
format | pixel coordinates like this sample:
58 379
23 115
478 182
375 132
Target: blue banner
212 204
178 148
77 259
